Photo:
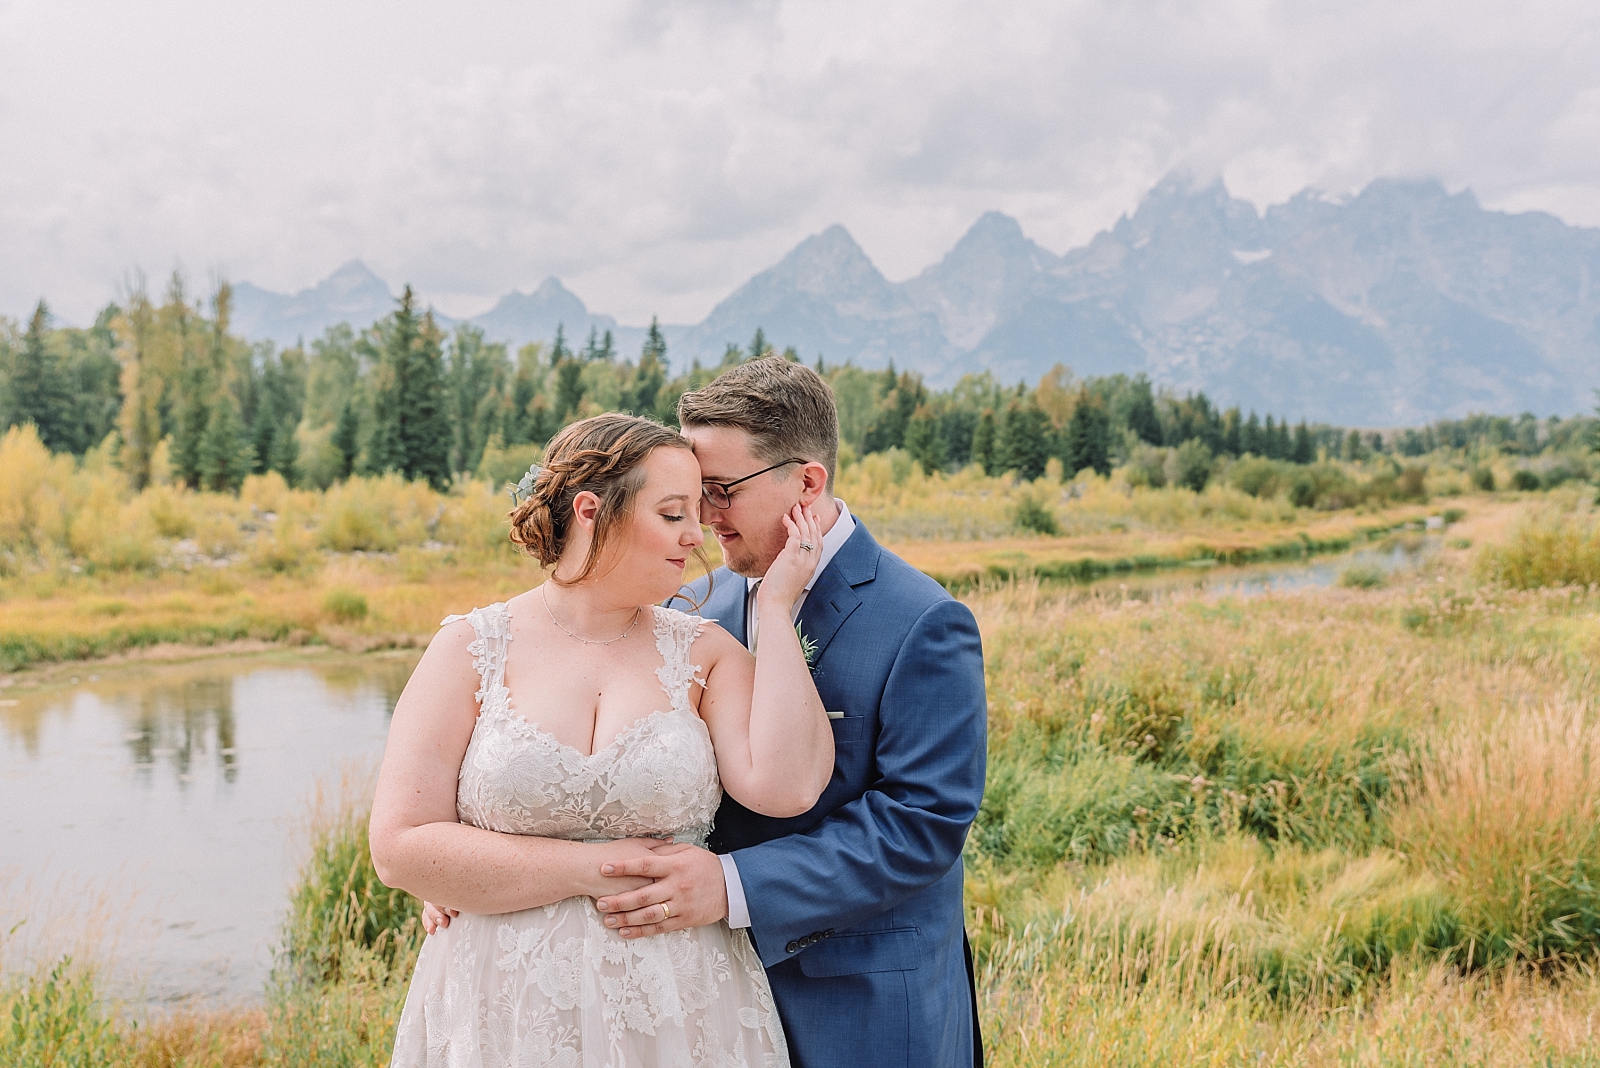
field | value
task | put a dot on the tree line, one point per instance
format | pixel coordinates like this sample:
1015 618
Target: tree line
176 395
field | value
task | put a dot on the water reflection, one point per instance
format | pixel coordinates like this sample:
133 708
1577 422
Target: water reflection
1251 580
186 783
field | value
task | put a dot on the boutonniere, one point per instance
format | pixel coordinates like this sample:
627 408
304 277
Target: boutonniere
808 647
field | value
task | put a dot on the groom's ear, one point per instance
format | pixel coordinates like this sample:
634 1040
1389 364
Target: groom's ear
815 482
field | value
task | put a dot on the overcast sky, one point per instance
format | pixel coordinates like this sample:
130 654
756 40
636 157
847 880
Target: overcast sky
654 155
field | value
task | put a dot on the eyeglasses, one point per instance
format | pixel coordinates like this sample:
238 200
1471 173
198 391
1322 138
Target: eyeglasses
717 493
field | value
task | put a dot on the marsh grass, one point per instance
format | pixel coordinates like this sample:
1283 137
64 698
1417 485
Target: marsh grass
1554 544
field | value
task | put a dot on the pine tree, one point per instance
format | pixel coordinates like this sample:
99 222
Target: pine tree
226 455
425 416
1088 437
1231 432
888 429
190 419
284 454
347 438
1250 436
758 344
1023 439
651 373
1305 450
924 441
983 442
1142 417
39 387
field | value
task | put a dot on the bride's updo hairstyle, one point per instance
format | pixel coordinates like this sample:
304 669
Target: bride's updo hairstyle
604 455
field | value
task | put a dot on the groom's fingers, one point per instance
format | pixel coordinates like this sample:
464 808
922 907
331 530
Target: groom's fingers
649 867
649 929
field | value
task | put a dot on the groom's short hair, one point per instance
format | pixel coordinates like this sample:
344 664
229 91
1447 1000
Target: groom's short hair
785 407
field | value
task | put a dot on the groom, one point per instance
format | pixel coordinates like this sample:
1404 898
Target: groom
855 907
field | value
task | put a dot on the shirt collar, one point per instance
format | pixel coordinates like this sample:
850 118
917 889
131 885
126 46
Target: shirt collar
832 542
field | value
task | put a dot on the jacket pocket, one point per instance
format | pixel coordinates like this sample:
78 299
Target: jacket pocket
848 728
898 949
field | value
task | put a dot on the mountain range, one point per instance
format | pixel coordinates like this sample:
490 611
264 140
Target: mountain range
1397 305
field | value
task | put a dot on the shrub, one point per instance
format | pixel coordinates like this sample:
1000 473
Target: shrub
1524 480
1147 466
287 548
1412 485
1482 478
1260 477
1362 577
1189 465
345 605
378 514
1548 548
1032 514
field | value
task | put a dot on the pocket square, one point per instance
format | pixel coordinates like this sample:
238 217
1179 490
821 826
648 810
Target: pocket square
836 715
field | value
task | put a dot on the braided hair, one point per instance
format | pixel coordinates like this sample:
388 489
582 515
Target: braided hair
603 455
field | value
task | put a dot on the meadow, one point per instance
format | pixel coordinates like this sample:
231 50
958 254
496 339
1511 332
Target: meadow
1357 825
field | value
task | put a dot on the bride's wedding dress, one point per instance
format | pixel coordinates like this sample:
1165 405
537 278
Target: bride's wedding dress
552 985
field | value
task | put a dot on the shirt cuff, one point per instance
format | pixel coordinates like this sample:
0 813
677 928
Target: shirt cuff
738 908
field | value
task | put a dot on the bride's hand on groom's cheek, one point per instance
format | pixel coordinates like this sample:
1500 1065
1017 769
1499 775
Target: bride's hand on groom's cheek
686 878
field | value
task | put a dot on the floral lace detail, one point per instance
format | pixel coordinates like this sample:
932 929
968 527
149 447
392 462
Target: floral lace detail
552 985
657 777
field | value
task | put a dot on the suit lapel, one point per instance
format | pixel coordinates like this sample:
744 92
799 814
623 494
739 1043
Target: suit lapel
833 598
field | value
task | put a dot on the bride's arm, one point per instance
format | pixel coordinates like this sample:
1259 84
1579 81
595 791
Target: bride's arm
419 846
773 743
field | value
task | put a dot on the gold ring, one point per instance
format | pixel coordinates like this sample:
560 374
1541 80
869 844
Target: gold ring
666 913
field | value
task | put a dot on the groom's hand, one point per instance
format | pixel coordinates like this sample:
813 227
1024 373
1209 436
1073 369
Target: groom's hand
688 880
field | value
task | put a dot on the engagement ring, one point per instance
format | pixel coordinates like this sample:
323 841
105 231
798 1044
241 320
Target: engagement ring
806 546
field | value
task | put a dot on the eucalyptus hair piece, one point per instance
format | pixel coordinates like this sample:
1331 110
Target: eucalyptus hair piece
524 486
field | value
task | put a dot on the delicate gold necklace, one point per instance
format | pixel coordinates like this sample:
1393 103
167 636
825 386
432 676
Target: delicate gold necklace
637 612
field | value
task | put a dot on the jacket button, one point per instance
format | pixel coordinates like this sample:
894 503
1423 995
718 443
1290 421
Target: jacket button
828 933
792 946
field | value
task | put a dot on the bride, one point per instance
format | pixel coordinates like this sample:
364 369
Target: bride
576 725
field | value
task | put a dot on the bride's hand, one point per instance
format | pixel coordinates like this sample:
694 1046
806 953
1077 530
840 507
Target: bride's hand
789 573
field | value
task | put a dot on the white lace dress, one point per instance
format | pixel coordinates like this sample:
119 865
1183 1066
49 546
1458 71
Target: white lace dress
552 985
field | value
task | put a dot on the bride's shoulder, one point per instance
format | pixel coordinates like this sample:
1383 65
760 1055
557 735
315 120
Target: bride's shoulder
705 633
490 621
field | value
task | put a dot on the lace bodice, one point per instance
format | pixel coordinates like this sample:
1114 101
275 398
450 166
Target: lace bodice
658 777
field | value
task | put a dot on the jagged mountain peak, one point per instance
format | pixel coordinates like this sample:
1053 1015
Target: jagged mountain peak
991 269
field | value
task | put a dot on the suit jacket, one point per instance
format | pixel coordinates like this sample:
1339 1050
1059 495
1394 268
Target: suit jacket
856 906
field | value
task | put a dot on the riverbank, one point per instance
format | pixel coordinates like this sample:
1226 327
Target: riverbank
362 600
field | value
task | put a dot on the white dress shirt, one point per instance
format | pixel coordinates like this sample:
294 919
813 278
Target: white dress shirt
832 542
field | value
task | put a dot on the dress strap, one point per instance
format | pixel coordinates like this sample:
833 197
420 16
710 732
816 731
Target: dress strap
492 629
675 634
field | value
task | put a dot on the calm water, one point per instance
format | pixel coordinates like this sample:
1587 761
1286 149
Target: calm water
1252 579
184 790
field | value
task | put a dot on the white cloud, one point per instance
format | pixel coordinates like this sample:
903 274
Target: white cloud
655 155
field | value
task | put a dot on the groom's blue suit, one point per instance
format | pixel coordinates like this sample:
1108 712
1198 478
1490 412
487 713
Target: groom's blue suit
855 906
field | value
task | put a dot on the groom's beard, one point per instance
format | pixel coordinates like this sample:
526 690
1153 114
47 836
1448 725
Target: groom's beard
742 561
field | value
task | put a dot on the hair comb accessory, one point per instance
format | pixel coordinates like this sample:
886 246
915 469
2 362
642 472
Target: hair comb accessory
524 486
